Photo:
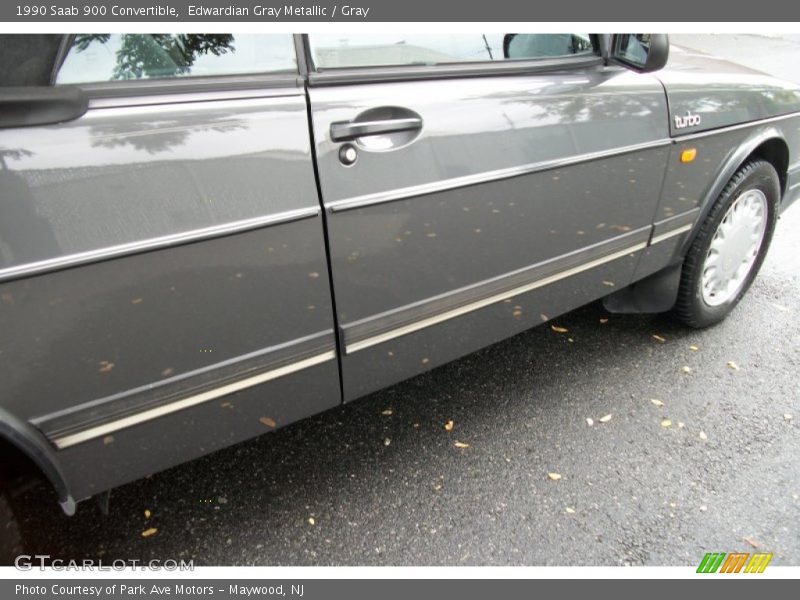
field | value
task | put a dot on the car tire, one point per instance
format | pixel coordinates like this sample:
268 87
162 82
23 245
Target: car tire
739 227
11 544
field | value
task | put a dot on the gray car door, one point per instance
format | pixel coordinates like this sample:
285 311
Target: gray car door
163 280
470 197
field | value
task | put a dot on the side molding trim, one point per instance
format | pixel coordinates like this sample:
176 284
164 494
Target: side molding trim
369 332
187 402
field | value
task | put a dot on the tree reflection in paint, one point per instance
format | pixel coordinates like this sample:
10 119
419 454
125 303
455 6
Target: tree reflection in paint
158 55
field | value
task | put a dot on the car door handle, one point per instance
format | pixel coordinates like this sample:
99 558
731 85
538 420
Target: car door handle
344 131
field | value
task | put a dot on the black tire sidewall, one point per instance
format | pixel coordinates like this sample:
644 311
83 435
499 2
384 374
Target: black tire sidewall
759 175
11 544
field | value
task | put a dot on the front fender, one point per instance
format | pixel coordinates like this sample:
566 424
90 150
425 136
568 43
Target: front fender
734 161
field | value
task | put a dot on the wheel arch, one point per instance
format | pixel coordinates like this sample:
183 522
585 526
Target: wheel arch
17 436
768 144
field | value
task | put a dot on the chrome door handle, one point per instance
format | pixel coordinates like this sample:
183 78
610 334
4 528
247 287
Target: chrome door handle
344 131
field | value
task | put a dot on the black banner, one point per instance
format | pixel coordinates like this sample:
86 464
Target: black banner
41 11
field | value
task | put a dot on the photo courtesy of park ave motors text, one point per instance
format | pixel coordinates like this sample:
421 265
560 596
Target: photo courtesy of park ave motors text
397 298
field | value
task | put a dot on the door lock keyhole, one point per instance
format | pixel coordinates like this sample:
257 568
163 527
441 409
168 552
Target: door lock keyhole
348 155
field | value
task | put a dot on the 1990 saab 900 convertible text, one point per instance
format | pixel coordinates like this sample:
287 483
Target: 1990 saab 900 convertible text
206 237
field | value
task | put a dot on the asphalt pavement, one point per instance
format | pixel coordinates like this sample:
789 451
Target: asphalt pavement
693 447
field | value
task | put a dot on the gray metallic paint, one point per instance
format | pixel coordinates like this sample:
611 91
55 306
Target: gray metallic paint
587 148
190 221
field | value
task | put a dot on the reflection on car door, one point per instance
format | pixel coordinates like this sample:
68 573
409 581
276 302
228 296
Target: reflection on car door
163 279
496 202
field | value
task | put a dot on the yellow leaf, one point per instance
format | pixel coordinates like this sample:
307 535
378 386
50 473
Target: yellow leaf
694 348
658 338
733 366
147 513
387 412
312 521
656 402
666 423
149 532
387 442
751 541
603 321
558 329
687 369
554 476
268 422
606 418
461 444
449 425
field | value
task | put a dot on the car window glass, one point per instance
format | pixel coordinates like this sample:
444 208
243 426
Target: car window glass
331 51
112 57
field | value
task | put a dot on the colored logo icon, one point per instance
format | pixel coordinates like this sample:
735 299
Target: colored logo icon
734 562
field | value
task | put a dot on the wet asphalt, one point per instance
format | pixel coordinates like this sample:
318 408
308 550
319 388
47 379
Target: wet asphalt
687 461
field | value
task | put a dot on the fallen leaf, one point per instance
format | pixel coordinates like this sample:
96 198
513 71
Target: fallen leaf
603 321
268 422
167 372
554 476
608 283
681 425
149 532
657 402
387 442
703 435
666 423
449 425
313 275
687 369
787 417
461 444
109 439
606 418
589 421
751 541
703 508
570 511
694 348
558 329
387 412
658 338
312 521
147 513
733 365
425 361
105 366
136 301
516 313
